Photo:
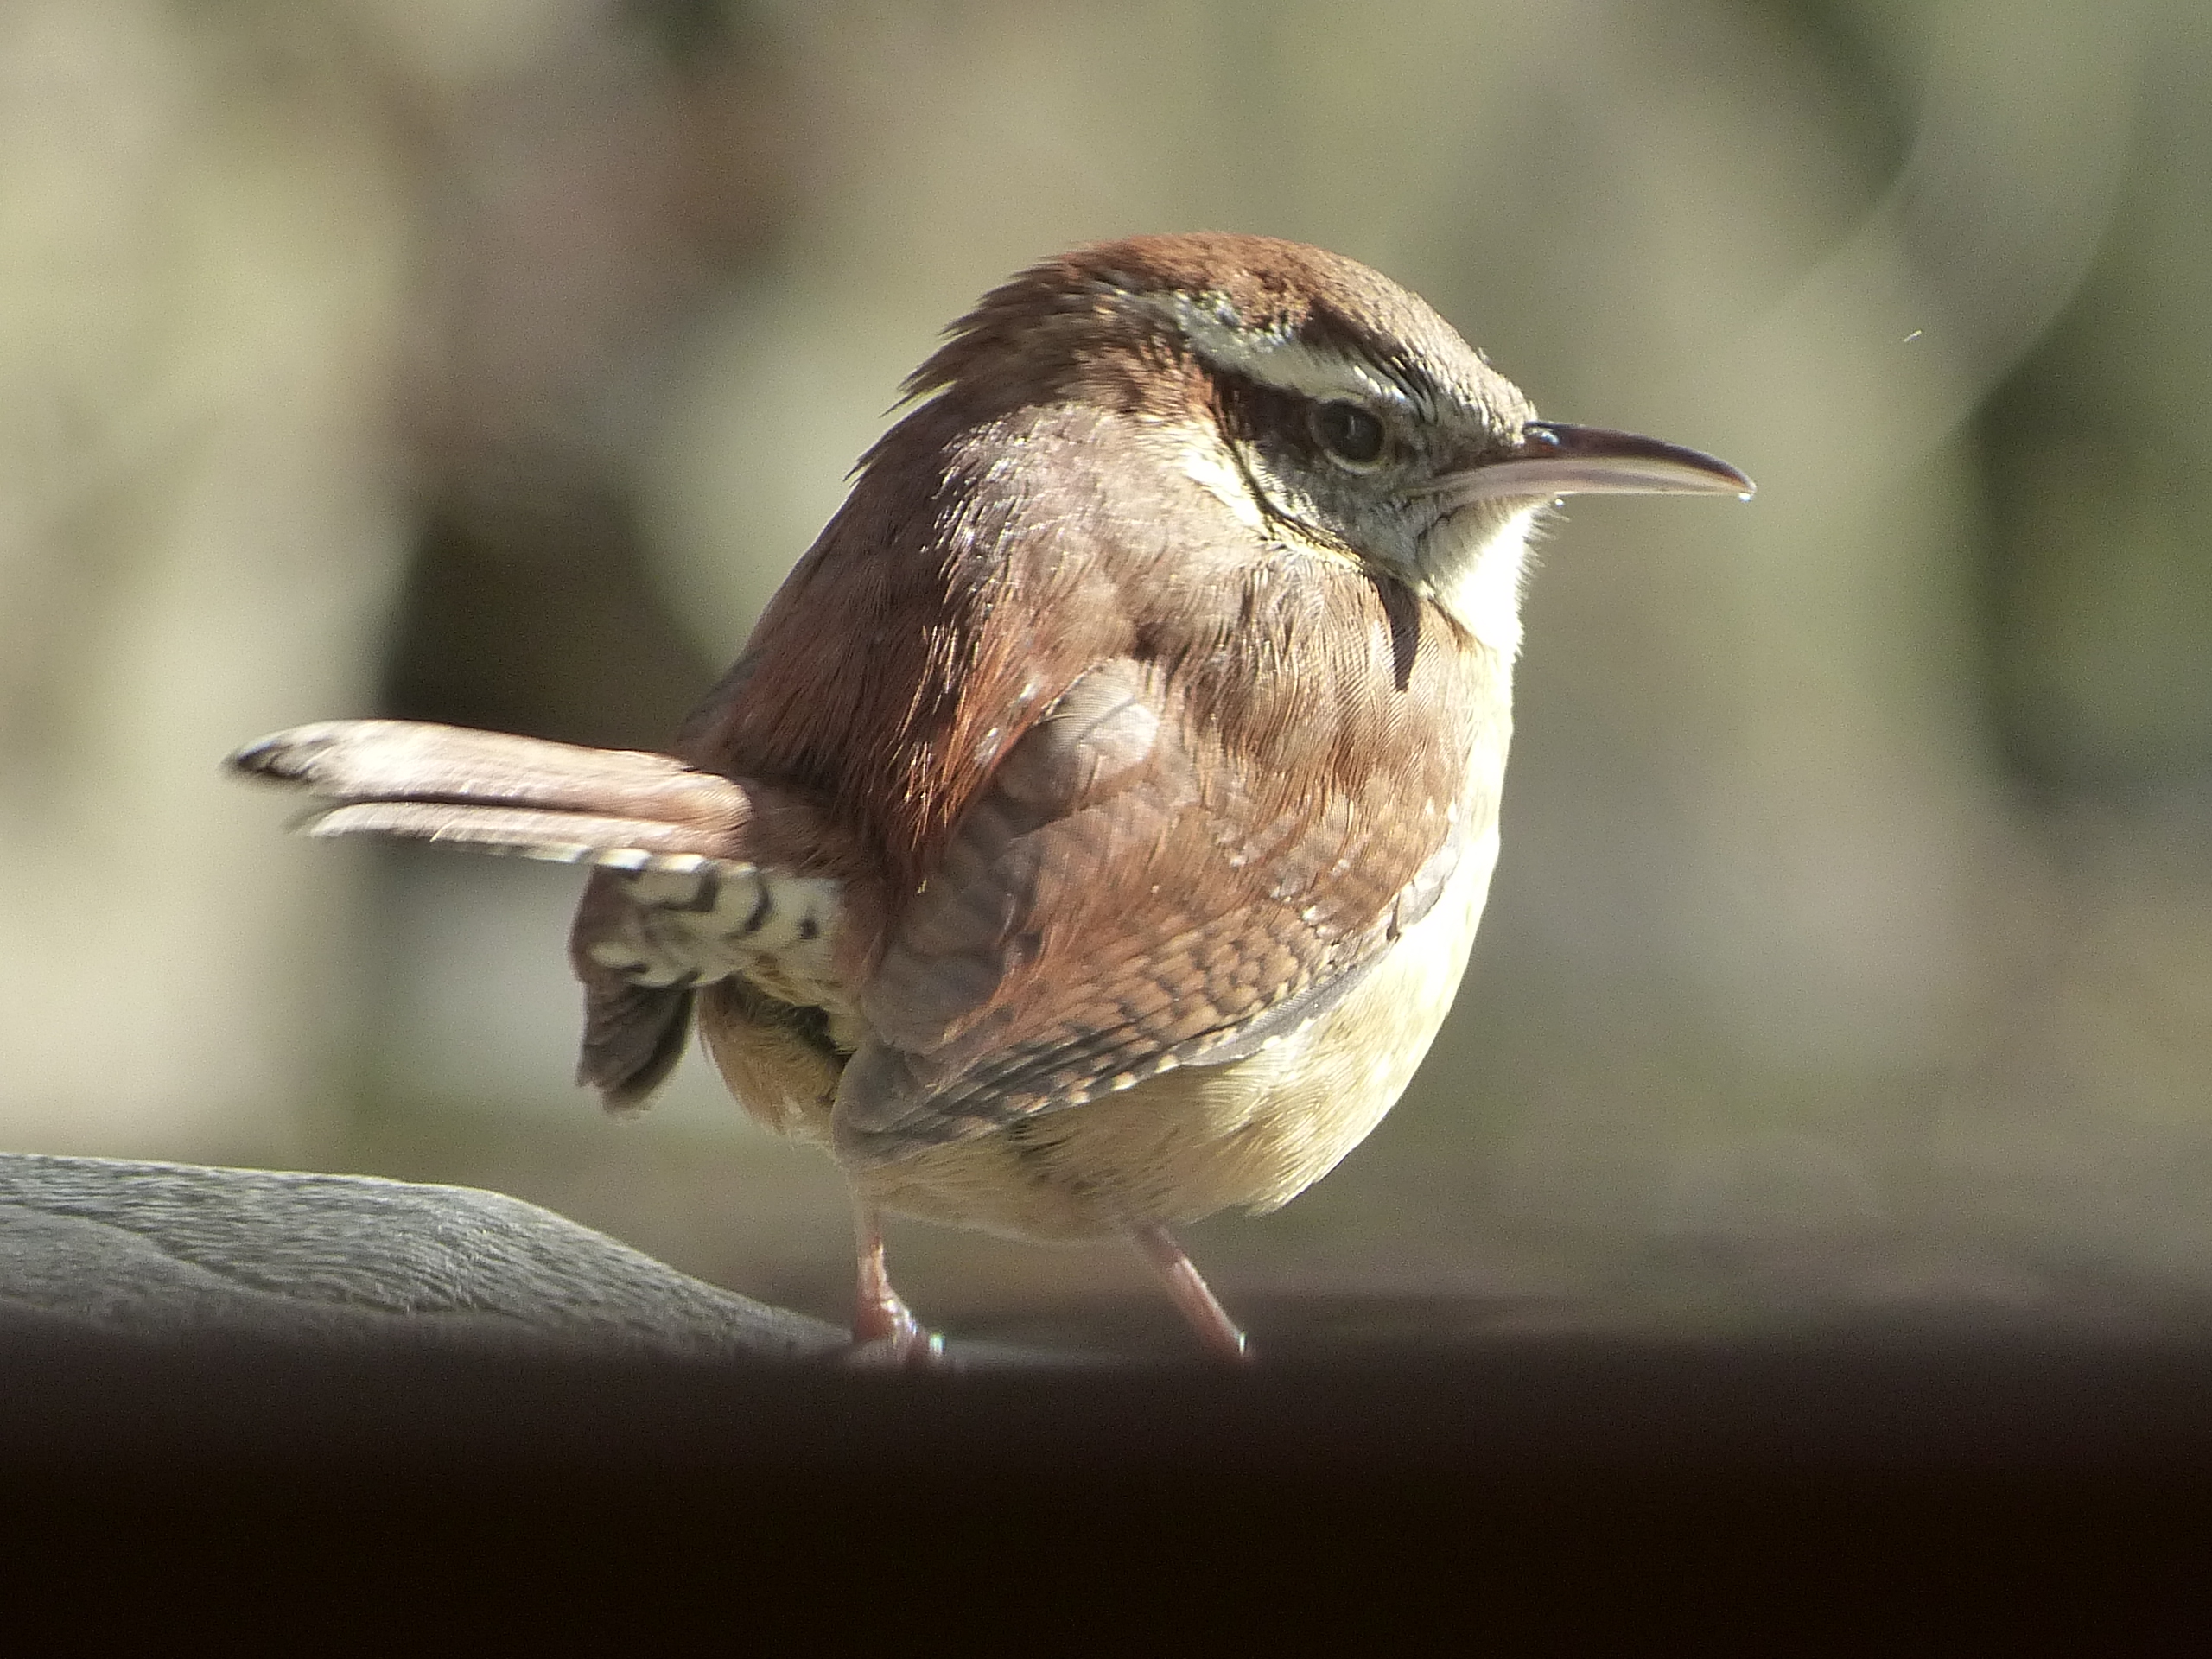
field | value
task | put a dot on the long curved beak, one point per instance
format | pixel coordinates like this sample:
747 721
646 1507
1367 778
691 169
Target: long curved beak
1556 459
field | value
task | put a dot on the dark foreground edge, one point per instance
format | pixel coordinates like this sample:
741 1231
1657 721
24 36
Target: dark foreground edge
1849 1483
270 1397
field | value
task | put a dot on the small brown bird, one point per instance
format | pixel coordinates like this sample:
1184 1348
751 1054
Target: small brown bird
1093 832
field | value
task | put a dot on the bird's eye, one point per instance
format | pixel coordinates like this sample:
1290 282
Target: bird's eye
1350 434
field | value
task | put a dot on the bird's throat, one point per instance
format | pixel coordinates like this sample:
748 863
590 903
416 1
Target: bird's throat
1474 564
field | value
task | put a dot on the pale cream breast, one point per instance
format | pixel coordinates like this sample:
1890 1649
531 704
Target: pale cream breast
1251 1134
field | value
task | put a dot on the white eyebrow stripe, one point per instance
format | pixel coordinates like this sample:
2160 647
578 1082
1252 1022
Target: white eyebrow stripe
1282 361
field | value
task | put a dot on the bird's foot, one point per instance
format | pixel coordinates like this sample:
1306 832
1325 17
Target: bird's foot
887 1336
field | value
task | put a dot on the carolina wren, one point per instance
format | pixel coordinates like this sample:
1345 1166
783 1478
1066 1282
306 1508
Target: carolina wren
1093 832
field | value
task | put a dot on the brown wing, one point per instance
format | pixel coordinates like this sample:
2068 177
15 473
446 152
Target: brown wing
1179 862
1120 902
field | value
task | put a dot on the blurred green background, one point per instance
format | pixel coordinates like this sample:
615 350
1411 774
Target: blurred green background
489 360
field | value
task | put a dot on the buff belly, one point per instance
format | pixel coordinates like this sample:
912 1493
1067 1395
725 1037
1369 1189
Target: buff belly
1253 1135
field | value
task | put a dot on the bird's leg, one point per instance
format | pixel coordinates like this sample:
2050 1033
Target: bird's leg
1191 1296
884 1331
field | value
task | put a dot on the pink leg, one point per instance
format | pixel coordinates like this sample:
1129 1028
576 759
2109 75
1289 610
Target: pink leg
884 1332
1207 1317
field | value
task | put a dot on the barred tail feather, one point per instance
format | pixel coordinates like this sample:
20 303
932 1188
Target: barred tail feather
681 897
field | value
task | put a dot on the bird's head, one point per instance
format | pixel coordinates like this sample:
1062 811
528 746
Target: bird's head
1329 408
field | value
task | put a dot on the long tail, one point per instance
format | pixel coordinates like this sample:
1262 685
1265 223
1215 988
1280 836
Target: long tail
632 813
501 794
